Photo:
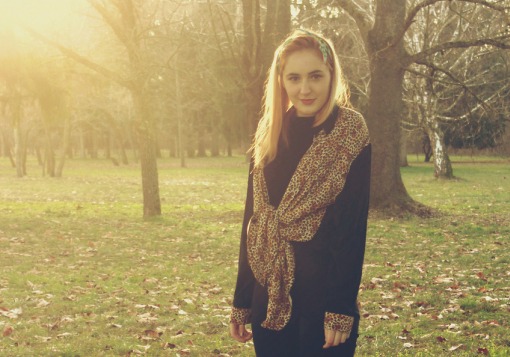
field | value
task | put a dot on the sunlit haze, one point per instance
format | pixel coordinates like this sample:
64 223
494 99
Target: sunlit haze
58 19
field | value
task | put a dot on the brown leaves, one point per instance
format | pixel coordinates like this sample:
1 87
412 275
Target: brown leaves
150 335
481 276
8 330
11 314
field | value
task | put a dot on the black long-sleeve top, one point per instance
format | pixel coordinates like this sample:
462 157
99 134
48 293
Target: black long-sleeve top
329 266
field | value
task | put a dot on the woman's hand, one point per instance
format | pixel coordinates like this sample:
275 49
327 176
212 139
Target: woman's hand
334 338
240 333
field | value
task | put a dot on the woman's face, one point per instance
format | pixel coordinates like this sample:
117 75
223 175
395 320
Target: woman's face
306 80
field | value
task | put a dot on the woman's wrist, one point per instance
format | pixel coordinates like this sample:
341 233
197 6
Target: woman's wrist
240 316
338 322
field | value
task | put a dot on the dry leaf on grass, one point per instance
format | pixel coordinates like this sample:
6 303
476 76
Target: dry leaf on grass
8 330
11 314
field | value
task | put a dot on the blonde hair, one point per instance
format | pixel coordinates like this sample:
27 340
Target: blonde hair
276 102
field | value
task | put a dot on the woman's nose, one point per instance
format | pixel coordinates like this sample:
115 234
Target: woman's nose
305 88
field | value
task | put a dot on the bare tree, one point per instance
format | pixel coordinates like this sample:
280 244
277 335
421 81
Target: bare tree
132 30
453 86
258 48
384 40
13 74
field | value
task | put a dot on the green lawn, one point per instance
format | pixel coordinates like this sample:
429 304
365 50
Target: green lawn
82 274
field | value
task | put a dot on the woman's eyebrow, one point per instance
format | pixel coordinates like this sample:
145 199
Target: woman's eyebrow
317 71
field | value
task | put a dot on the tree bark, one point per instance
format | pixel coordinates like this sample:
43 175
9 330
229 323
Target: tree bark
385 107
403 149
18 136
442 164
146 135
65 145
49 154
18 150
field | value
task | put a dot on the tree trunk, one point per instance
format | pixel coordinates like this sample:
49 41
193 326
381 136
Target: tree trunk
385 107
49 155
257 54
215 141
427 149
201 140
93 150
147 147
65 145
18 136
403 149
180 136
442 164
18 150
108 145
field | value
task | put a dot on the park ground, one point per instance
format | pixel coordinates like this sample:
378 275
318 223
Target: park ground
82 274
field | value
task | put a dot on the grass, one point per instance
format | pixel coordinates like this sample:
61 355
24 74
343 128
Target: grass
82 274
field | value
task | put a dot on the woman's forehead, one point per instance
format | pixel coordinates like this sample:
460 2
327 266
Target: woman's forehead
304 61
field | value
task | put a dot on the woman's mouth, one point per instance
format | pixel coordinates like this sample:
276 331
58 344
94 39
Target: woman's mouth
307 101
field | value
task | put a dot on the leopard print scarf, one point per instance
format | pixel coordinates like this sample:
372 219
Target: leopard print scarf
318 179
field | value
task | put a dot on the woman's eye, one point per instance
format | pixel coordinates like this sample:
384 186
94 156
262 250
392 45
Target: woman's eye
316 77
293 79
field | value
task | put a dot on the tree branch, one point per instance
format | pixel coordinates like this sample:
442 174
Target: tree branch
125 29
421 56
83 60
359 16
414 11
481 102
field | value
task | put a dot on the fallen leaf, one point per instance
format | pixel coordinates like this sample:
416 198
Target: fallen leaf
43 338
42 303
147 318
65 334
483 351
216 290
440 339
408 345
8 330
12 314
481 276
459 347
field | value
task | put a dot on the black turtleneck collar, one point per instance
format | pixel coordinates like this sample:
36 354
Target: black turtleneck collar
297 122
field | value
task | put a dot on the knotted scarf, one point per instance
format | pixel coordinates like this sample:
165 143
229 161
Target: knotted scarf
319 178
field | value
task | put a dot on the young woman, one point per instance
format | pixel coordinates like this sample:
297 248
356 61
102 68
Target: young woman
304 229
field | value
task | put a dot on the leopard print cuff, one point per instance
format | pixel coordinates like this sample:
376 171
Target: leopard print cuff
338 322
240 316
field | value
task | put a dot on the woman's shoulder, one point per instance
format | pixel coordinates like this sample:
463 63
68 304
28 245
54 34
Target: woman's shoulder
351 117
350 113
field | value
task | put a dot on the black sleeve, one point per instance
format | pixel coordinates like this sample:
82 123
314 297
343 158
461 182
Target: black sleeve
245 279
346 241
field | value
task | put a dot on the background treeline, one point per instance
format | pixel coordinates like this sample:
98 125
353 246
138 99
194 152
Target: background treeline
183 78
